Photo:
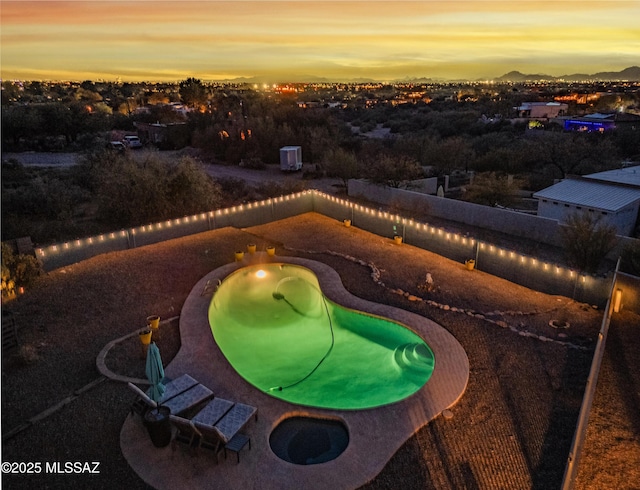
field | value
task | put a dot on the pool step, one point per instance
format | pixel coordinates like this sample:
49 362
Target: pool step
415 357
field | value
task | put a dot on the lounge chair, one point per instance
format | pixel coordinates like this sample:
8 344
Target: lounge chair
176 386
179 399
213 411
235 419
209 437
186 433
225 432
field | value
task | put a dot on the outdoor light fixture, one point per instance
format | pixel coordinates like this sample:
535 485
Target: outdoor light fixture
261 274
617 301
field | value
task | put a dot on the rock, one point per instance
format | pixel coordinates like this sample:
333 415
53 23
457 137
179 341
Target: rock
411 297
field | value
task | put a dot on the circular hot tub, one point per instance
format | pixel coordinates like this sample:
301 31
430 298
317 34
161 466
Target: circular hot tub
309 440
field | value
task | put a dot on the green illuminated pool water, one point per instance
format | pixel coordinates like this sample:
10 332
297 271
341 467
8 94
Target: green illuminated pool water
281 334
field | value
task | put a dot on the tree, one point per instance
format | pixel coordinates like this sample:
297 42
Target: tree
193 92
190 190
454 153
341 164
394 170
631 258
587 240
20 122
491 189
577 153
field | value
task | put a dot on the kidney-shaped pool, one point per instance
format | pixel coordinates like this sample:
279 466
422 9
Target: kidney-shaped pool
280 333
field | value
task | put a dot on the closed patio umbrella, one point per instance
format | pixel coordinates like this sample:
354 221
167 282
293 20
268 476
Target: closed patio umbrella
155 372
157 420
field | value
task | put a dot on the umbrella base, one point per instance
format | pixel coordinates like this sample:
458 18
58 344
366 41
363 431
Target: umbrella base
158 425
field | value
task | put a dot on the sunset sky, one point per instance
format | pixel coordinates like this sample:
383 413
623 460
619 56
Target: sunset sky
292 41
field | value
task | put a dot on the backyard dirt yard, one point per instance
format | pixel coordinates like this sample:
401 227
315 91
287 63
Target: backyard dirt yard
512 428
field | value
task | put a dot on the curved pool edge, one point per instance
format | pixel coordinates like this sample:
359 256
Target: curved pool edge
365 456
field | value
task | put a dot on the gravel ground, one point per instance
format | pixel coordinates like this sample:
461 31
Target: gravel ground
511 429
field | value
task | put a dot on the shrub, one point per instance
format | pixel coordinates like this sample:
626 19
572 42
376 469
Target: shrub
631 258
18 270
587 241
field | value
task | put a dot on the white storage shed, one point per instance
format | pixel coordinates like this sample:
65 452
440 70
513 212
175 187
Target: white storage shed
291 158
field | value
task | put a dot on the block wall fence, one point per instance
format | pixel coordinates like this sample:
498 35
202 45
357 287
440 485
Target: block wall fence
522 269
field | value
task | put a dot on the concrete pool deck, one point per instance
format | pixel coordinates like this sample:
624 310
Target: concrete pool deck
374 434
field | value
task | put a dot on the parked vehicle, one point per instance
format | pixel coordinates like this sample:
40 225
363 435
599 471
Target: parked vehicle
132 142
117 146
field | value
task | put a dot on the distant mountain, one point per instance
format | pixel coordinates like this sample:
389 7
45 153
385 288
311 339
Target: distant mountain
516 76
632 73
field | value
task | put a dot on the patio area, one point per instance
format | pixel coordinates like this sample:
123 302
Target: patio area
511 428
374 434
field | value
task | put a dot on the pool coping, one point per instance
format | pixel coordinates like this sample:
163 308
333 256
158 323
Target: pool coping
374 434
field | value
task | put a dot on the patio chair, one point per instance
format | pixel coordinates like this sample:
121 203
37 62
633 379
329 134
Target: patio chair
235 419
186 433
210 438
142 403
188 399
225 432
176 386
178 403
213 411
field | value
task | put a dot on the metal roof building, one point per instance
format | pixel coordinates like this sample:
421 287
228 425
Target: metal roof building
616 204
628 176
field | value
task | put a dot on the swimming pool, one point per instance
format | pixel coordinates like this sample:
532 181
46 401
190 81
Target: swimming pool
281 334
